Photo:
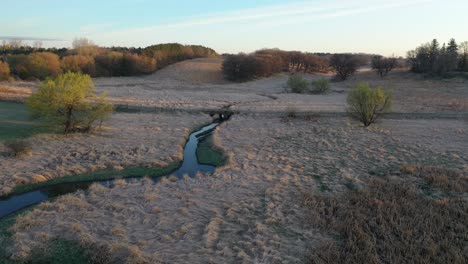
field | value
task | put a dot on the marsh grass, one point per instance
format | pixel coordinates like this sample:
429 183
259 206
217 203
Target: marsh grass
107 174
389 222
446 180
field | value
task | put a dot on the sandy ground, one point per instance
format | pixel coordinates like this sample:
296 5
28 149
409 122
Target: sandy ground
249 211
125 140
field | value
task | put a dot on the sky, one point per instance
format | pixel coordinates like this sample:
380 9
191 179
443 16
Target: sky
371 26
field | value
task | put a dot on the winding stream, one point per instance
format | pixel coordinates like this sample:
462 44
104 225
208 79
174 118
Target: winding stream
190 166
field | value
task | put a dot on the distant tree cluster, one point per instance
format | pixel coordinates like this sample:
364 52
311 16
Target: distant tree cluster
166 54
432 58
264 63
28 62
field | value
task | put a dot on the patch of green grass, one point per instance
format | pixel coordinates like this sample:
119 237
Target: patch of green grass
322 186
5 224
15 122
208 153
102 175
59 252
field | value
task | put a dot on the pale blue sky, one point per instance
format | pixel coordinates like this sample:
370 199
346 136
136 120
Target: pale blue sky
372 26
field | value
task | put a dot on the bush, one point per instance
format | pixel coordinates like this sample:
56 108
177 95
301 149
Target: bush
297 84
367 104
42 65
19 148
383 65
291 111
79 63
321 86
18 65
4 71
134 64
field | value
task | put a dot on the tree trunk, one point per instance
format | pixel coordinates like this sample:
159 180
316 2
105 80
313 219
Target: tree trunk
68 121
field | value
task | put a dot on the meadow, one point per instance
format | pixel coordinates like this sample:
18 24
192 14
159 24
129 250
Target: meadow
298 180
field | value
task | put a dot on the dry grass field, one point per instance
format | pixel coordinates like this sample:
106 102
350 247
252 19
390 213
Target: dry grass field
308 189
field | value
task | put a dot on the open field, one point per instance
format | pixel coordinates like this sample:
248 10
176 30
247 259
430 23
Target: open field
252 209
197 84
280 196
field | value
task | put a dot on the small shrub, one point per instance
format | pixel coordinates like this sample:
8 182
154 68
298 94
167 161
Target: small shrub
297 84
321 86
291 111
367 104
19 148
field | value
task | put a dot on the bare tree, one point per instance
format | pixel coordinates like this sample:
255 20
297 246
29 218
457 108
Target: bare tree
82 42
463 50
37 44
383 65
345 65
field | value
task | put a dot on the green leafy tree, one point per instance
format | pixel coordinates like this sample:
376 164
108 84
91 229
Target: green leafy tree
70 101
366 104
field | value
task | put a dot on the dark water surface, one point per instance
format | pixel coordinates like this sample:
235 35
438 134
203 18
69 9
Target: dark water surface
190 166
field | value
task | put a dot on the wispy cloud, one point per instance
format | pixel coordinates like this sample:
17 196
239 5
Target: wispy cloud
290 13
28 38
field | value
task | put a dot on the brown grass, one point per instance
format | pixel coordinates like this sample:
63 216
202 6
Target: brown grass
389 222
445 179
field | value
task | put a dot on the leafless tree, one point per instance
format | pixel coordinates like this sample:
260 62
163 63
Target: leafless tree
383 65
345 65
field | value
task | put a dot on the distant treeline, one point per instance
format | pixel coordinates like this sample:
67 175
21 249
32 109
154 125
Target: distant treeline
264 63
28 62
434 59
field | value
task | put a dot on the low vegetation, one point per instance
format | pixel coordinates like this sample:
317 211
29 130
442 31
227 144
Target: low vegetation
366 104
321 86
297 84
444 179
19 148
389 222
71 102
4 71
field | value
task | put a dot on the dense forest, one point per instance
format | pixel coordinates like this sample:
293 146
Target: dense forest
34 62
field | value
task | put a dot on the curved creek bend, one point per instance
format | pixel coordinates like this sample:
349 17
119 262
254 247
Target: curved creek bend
190 166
